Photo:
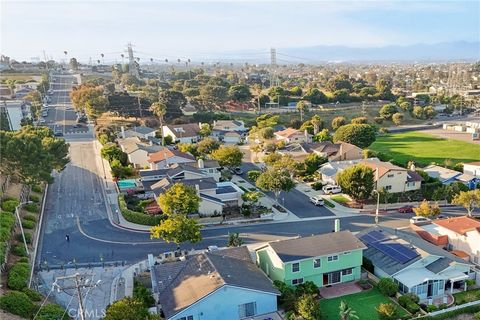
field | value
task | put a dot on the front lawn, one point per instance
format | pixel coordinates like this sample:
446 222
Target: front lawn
467 296
424 148
341 199
364 303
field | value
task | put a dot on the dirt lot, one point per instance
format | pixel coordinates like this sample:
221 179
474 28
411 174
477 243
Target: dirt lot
447 134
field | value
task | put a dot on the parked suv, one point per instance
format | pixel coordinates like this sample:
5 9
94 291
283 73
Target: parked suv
317 200
418 219
331 189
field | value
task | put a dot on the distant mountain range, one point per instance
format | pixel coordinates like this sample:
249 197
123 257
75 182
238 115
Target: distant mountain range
458 50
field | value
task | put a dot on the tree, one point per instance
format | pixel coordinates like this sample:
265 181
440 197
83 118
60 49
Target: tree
387 287
302 107
205 130
316 122
159 109
397 118
387 111
180 199
239 93
228 156
425 209
253 175
406 106
255 148
234 240
469 200
311 163
308 308
275 180
315 96
359 120
346 312
89 98
337 122
384 89
251 198
111 152
357 181
207 146
296 91
126 309
361 135
213 95
177 229
417 112
387 311
173 101
73 64
429 112
339 82
323 135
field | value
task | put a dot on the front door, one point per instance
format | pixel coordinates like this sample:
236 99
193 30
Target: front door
332 277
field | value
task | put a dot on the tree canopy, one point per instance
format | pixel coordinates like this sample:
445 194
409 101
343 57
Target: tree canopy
469 200
361 135
179 199
357 181
275 180
177 229
228 156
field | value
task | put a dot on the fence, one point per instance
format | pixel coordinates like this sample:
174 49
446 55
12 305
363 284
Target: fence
454 308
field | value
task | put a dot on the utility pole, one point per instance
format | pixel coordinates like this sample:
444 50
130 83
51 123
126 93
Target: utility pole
79 283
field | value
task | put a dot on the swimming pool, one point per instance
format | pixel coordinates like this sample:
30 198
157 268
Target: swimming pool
127 184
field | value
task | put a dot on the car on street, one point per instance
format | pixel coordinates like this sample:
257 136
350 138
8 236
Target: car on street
58 134
331 189
41 121
441 216
406 209
418 219
317 200
77 125
50 92
237 171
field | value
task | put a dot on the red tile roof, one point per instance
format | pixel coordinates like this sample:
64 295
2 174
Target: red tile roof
460 225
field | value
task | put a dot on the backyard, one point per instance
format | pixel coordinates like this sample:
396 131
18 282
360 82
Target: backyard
424 148
364 303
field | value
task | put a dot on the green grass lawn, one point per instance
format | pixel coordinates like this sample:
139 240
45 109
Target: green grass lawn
364 303
340 199
425 148
467 296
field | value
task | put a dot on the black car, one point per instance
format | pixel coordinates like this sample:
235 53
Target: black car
58 134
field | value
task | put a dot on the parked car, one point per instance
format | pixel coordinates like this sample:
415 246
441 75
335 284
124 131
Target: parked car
406 209
441 216
77 125
331 189
58 134
238 170
418 219
41 121
317 200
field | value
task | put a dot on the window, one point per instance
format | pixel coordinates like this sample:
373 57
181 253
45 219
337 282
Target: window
388 187
297 281
317 263
332 258
391 175
295 267
346 272
348 252
247 310
186 318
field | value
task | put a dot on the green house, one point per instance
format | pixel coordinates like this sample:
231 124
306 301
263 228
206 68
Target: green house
325 259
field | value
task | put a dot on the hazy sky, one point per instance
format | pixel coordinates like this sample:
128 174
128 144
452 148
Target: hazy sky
193 29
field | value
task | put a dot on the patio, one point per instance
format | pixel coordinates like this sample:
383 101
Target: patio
339 290
437 301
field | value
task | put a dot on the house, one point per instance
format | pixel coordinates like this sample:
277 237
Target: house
472 168
141 132
15 111
324 259
6 92
219 284
448 176
184 133
339 151
166 157
229 131
416 265
291 135
386 175
137 151
460 235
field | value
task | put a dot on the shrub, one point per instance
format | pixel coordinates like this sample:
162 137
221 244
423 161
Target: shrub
17 303
31 207
32 294
477 316
52 311
317 185
387 311
37 188
34 198
28 237
378 120
30 217
412 307
141 293
23 260
18 276
431 308
28 224
387 287
19 250
138 217
10 205
253 175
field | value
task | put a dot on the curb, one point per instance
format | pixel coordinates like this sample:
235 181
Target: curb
37 237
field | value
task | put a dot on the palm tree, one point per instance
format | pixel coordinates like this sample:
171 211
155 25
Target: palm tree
302 107
159 109
316 120
346 312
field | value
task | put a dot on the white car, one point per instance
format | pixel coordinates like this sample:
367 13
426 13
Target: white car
331 189
418 219
41 121
317 200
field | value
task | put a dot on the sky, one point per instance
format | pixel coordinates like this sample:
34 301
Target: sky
197 29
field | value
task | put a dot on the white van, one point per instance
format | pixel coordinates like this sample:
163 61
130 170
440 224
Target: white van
331 189
418 219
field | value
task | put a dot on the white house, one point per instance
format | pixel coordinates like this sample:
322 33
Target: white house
448 176
472 168
185 133
15 111
166 157
229 131
141 132
137 151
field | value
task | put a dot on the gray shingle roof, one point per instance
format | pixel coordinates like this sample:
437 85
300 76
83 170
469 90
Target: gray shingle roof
315 246
439 265
181 284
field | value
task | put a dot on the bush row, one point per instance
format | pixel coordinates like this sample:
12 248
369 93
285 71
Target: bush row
10 204
20 303
18 276
138 217
7 223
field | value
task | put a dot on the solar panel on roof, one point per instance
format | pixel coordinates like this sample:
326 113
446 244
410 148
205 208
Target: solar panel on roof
372 237
393 249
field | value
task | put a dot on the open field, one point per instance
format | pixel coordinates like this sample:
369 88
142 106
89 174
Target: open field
364 303
425 148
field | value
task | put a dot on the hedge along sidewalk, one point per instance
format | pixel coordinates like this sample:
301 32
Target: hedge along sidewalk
470 307
137 219
36 235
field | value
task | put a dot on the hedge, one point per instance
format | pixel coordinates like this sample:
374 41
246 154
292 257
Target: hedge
17 303
19 250
138 217
10 205
52 311
28 237
28 224
37 188
451 314
32 294
18 276
31 207
34 198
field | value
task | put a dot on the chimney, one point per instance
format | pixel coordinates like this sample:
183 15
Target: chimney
201 164
122 128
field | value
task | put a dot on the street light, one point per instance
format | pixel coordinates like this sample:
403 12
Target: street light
17 213
378 204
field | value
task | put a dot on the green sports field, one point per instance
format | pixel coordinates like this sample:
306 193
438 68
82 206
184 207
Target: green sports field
425 148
